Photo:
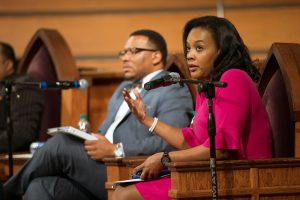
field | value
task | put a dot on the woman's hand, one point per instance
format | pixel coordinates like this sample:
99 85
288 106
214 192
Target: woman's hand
98 149
137 105
151 167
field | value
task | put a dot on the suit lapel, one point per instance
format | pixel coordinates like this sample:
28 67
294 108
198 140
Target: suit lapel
118 100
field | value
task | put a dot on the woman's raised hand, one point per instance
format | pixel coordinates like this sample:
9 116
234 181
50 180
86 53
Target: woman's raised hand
136 105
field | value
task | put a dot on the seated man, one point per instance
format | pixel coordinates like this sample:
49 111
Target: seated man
66 167
26 105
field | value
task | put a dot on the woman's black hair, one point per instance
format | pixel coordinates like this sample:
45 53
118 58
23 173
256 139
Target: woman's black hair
233 53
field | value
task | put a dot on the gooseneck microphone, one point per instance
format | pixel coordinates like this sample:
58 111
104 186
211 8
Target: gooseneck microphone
173 78
81 84
166 80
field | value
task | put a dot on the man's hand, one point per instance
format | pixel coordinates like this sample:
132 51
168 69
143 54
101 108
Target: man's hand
151 167
98 149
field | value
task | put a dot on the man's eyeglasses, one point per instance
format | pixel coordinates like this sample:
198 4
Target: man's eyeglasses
133 51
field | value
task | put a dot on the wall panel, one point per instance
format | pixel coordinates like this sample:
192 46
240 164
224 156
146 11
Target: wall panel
96 29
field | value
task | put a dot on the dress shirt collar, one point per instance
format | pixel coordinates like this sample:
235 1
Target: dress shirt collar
150 76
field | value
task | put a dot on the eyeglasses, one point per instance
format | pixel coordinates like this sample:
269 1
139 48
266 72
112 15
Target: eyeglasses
133 51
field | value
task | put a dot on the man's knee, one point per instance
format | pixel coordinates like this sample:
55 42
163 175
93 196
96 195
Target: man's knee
36 190
58 144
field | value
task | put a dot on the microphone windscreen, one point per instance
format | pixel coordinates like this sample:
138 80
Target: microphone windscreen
148 86
83 84
175 77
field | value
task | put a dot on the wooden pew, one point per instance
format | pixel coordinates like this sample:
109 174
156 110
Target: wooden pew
276 178
48 57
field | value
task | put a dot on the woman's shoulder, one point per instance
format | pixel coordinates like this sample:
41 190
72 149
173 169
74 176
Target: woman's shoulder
237 80
236 75
234 72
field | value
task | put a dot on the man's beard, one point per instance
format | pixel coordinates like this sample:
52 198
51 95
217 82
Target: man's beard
129 78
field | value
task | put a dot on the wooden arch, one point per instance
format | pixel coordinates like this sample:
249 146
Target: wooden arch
58 51
279 88
47 57
286 57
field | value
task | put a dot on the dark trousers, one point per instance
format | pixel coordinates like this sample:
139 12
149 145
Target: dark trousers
1 191
61 169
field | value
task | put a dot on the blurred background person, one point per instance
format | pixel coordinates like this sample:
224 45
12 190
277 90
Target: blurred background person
26 104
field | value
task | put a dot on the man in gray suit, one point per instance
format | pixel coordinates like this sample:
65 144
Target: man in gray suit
68 168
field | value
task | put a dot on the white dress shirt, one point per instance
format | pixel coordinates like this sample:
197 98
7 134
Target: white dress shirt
124 107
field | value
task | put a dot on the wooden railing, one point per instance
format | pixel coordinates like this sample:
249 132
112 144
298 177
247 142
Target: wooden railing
259 179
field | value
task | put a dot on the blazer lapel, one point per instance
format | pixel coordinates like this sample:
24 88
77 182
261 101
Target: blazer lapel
117 102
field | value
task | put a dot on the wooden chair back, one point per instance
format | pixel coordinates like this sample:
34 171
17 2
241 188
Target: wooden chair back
47 57
280 91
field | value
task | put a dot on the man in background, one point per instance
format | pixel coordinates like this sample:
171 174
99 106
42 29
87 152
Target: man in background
26 105
69 168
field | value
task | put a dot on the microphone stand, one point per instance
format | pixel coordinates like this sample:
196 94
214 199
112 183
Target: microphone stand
208 87
9 128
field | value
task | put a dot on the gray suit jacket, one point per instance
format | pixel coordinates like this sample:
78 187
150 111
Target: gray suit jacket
172 104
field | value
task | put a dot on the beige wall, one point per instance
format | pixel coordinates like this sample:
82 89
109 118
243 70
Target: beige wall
96 29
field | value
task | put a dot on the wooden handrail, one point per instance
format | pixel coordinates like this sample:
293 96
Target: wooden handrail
270 178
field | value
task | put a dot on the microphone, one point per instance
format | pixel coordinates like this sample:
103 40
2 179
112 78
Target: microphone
82 84
171 78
